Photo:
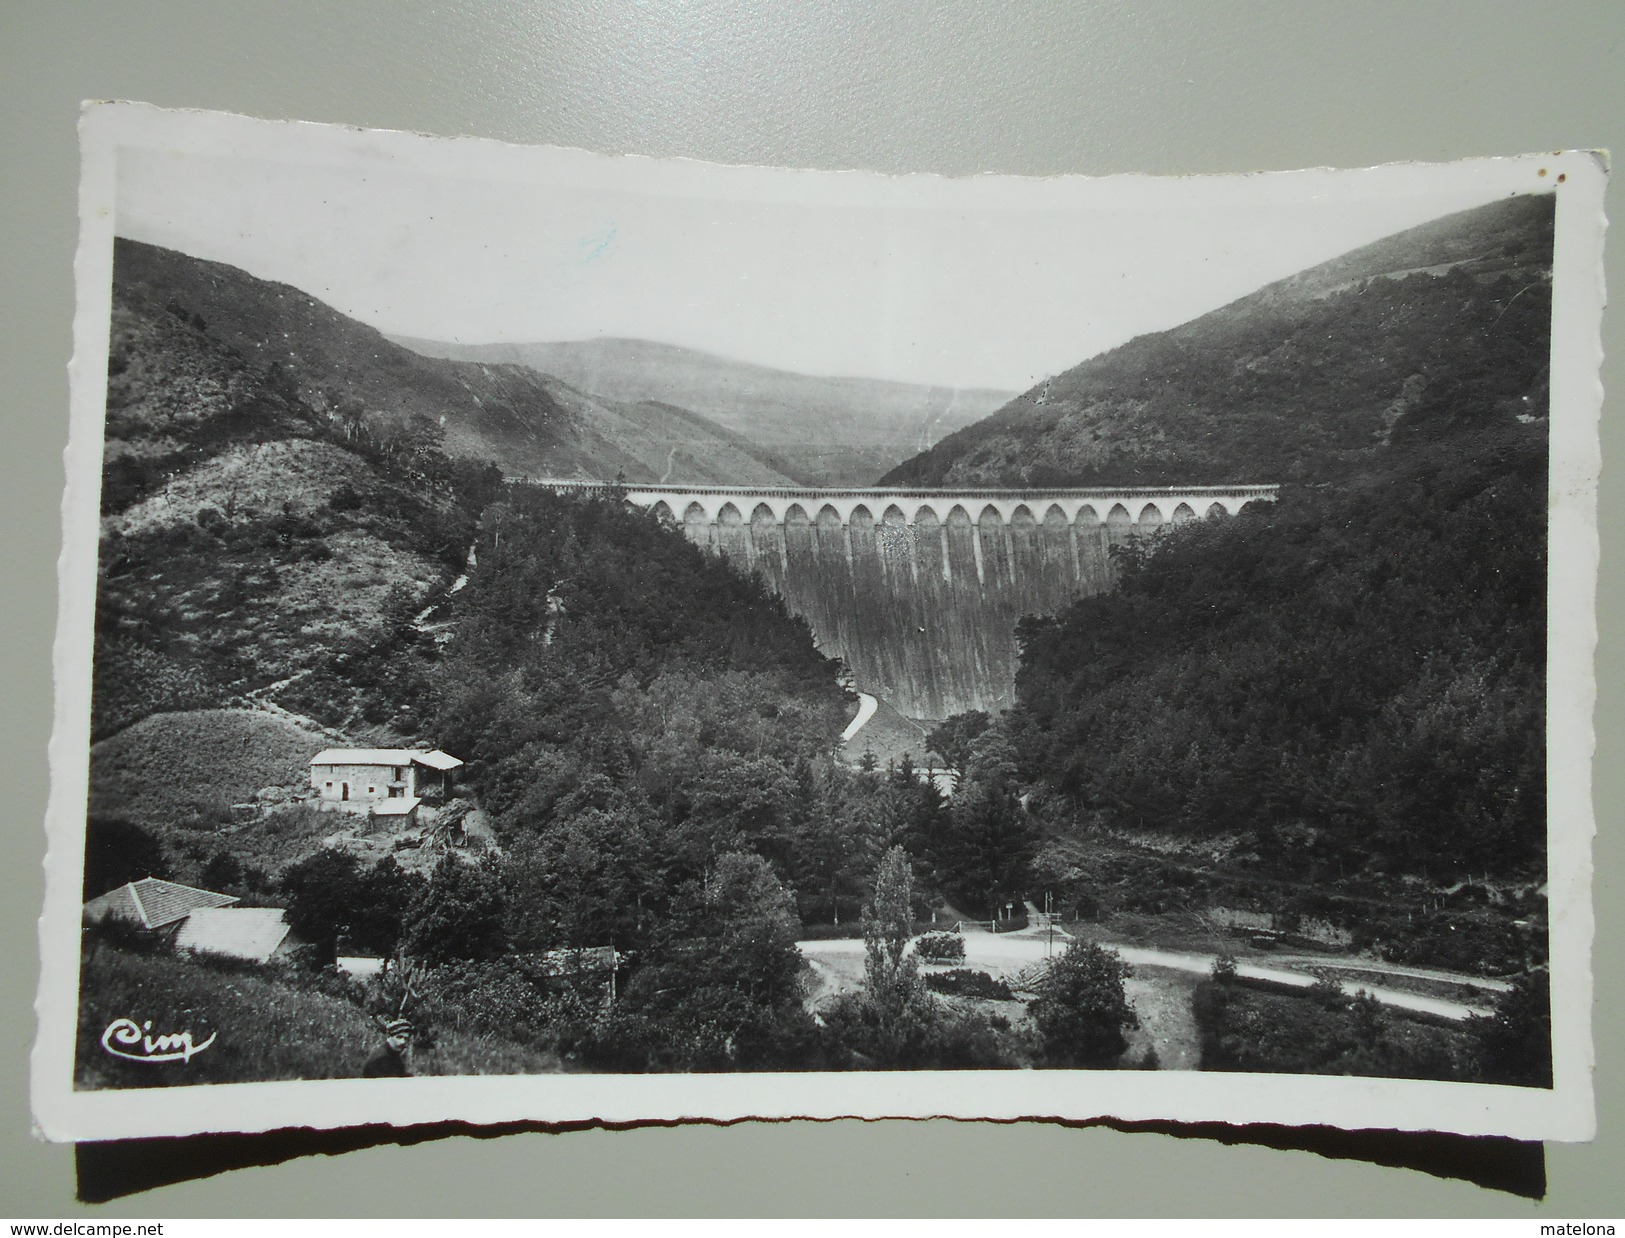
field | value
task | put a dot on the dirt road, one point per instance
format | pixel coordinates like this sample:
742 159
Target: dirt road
1008 952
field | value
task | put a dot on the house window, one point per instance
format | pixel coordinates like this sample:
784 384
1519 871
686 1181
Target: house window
372 790
396 792
328 784
400 773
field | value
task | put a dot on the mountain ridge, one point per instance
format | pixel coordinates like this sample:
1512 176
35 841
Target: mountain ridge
822 430
523 421
1301 379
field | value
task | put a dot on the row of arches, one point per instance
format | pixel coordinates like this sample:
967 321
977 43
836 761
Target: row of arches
1149 516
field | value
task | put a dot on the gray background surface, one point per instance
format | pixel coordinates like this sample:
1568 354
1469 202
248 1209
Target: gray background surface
952 88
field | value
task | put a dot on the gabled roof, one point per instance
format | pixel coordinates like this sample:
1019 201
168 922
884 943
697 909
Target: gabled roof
400 806
384 756
363 756
251 933
154 903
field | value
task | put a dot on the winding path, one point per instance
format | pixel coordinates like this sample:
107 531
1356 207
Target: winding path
1006 950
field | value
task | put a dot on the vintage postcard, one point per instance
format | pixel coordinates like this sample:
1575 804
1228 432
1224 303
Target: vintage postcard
550 636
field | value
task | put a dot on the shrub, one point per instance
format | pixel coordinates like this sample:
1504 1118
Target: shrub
1514 1045
1301 1031
1083 1009
963 982
940 947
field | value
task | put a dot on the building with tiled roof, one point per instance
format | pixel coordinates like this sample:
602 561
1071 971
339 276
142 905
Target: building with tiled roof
153 903
363 778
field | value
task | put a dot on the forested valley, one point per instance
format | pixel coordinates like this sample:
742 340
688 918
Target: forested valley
1316 726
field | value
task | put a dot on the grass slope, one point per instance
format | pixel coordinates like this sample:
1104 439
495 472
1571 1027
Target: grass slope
268 1023
171 766
258 527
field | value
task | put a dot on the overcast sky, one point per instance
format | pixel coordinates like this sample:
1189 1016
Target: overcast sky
990 282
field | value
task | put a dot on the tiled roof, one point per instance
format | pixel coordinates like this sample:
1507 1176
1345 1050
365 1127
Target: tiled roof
363 756
153 903
385 756
251 933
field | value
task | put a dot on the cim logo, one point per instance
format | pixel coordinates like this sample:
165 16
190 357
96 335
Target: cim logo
134 1043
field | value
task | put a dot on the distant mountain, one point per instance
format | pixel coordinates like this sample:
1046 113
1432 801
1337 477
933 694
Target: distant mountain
524 422
1301 380
820 431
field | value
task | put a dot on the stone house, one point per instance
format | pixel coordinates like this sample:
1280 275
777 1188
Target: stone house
387 781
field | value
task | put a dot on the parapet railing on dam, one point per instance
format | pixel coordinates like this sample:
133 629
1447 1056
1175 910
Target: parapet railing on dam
1140 508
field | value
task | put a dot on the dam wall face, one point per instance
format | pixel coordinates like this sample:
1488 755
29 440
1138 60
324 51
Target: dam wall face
919 593
923 613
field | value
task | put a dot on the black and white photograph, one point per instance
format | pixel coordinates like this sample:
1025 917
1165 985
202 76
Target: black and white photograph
560 636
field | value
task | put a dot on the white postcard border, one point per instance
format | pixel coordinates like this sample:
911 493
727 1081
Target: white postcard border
1565 1112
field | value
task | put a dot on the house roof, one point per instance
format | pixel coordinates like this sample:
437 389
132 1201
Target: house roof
251 933
384 756
436 759
154 903
400 806
578 960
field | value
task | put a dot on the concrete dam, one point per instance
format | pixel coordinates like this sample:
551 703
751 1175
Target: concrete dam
918 592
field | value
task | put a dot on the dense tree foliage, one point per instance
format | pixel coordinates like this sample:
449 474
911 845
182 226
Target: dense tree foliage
117 851
459 914
979 855
632 711
1514 1044
338 906
893 1022
1322 1031
1083 1009
952 739
1349 678
721 987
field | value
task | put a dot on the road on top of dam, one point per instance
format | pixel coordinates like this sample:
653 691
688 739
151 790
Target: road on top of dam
1010 950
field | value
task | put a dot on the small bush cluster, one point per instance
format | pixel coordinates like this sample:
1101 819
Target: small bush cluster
1320 1030
964 982
940 948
